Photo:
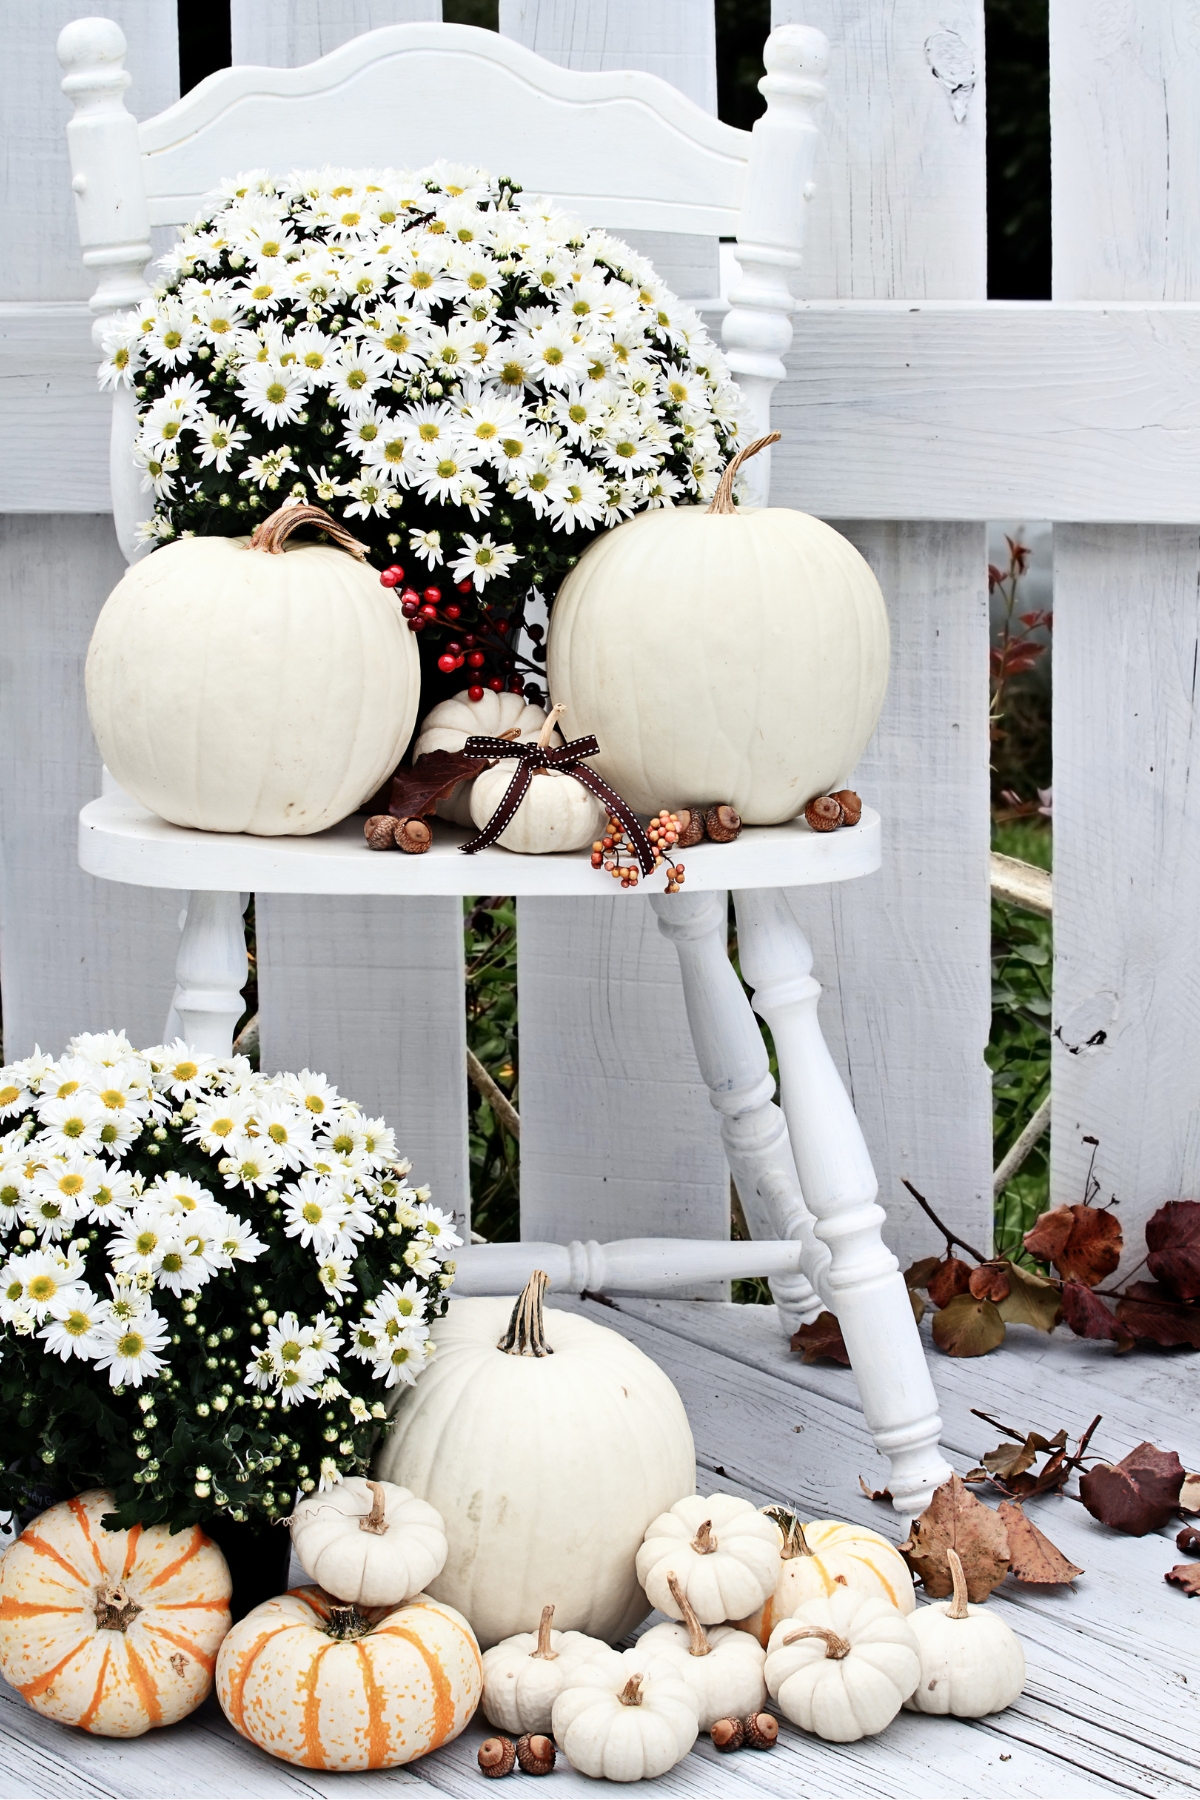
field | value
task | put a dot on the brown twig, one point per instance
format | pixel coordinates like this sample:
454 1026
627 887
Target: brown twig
950 1237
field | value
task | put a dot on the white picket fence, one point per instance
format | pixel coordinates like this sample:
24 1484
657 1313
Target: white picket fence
914 412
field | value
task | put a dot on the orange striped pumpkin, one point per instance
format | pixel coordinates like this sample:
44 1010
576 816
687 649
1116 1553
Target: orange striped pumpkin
823 1556
316 1682
113 1631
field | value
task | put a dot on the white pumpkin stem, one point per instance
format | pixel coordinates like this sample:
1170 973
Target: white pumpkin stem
722 500
115 1610
272 535
794 1541
957 1608
699 1645
374 1521
631 1693
704 1543
835 1647
547 731
544 1653
526 1334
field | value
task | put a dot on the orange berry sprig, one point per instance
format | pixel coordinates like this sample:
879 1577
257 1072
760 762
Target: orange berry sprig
663 833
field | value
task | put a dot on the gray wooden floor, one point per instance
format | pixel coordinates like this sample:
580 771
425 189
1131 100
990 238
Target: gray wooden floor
1112 1701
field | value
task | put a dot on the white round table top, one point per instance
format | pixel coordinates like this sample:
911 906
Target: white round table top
120 841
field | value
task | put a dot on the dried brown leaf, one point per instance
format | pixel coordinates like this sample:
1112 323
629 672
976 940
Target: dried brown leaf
1173 1240
1189 1494
918 1273
1083 1242
822 1341
416 789
991 1281
1136 1495
1189 1540
956 1520
884 1495
1031 1300
1186 1576
1088 1316
1162 1322
951 1278
1033 1557
917 1302
968 1327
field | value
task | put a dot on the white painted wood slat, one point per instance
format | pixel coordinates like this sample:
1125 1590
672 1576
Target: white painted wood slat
905 956
627 1140
285 33
1127 637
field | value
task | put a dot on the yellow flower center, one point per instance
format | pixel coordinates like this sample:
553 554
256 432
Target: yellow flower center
42 1287
276 393
8 1095
130 1343
184 1071
113 1098
71 1185
313 1214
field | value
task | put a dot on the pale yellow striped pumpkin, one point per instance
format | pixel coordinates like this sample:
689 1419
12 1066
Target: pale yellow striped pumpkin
316 1682
824 1556
113 1631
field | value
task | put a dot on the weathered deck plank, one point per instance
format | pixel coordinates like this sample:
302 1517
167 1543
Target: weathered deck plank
1108 1709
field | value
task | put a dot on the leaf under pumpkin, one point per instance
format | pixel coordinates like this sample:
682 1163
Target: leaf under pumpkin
956 1520
1033 1558
968 1327
1173 1240
1083 1242
417 787
1186 1576
821 1340
1136 1495
1088 1316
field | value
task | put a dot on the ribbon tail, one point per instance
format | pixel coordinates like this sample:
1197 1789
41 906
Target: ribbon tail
622 810
513 796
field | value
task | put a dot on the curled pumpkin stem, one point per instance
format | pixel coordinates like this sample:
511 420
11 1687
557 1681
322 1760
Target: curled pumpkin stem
835 1647
526 1334
543 1652
722 500
699 1645
794 1541
631 1693
374 1521
704 1543
957 1608
272 535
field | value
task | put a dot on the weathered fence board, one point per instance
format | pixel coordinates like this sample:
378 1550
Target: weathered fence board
617 1130
906 955
285 33
1127 639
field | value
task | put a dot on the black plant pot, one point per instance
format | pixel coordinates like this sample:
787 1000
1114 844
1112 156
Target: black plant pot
258 1558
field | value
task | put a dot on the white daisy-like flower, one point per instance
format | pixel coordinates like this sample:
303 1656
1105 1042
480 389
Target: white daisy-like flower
369 498
71 1123
402 1358
357 371
217 440
15 1096
427 545
59 1194
121 341
129 1347
238 1243
481 560
172 335
73 1325
315 1212
183 1072
556 354
158 477
401 337
476 496
326 487
288 1130
315 1095
451 347
140 1240
182 1266
269 470
334 1275
219 1123
577 497
179 1195
113 1194
330 1473
441 477
256 1167
422 283
38 1280
275 393
439 1226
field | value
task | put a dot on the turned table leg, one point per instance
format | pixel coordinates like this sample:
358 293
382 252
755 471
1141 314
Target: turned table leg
733 1061
210 972
866 1287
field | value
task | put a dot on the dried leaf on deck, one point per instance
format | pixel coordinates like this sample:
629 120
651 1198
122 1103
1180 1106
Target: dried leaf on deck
1031 1300
918 1273
1083 1242
1186 1576
917 1302
1189 1494
991 1281
822 1341
951 1278
1173 1240
1189 1541
1162 1322
1088 1316
968 1327
416 790
1136 1495
881 1494
956 1520
1010 1460
1034 1559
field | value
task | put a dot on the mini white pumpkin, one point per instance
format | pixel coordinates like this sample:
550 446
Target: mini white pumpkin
722 1551
240 684
722 1666
369 1542
524 1675
557 812
844 1666
826 1554
626 1716
449 724
775 636
972 1663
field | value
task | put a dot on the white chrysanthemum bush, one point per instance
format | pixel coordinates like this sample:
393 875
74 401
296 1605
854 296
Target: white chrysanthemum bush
211 1281
472 381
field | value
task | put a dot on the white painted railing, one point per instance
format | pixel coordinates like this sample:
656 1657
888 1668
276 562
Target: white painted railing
910 406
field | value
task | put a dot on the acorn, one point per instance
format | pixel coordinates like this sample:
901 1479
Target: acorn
413 836
535 1753
380 831
727 1734
762 1729
722 823
850 804
691 826
824 813
497 1757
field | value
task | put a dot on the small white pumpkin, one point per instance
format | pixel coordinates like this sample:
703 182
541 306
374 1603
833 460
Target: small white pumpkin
449 724
972 1663
524 1675
722 1666
369 1542
825 1555
844 1666
722 1551
626 1716
557 812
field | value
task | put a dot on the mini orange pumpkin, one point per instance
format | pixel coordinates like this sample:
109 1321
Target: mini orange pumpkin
319 1683
114 1631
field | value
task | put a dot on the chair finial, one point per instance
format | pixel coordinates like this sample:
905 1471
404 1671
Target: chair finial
92 51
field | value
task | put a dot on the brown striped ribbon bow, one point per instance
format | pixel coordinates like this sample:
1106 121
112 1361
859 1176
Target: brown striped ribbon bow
565 758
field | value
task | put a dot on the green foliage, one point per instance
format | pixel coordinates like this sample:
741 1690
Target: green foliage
490 927
1018 1051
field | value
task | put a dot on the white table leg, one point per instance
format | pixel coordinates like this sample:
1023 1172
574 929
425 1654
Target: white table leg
210 972
733 1061
839 1185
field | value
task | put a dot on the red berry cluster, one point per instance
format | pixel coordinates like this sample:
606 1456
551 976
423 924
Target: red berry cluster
427 608
663 833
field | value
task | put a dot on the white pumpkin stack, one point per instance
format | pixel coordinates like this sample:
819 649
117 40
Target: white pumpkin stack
449 724
369 1542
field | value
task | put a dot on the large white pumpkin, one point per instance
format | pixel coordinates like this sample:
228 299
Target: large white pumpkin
721 655
231 688
546 1466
